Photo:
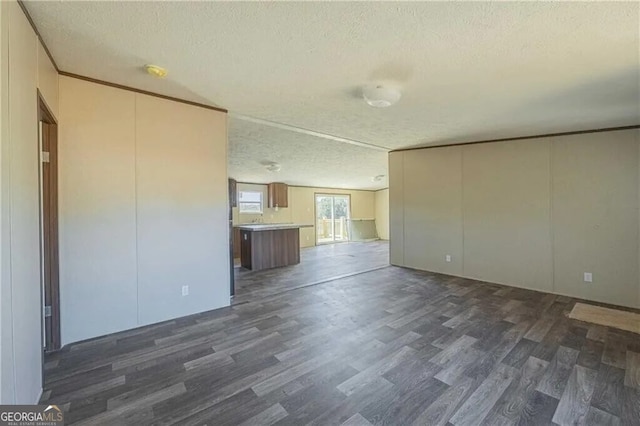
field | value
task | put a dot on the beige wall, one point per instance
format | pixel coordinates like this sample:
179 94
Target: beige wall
97 222
7 382
301 208
382 213
47 80
535 214
432 186
507 208
182 209
595 216
143 209
20 284
396 208
6 361
24 200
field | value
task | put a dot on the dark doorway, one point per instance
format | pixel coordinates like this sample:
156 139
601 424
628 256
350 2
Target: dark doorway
48 142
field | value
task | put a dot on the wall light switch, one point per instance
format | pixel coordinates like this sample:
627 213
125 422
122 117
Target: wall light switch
447 258
185 290
588 277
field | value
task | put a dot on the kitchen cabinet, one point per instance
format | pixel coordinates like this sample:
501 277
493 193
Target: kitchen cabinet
233 193
278 195
236 242
269 246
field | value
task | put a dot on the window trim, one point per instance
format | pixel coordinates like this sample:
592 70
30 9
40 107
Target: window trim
260 203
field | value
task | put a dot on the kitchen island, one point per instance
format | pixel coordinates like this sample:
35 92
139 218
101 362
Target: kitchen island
264 246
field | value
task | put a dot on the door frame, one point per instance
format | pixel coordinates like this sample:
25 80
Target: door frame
50 217
315 214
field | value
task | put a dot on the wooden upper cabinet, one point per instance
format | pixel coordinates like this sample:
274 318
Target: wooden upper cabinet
278 195
233 193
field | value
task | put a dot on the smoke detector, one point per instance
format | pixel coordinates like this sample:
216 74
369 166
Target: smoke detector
380 96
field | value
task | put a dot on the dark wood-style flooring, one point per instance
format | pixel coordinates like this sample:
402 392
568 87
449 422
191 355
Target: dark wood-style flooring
317 265
391 346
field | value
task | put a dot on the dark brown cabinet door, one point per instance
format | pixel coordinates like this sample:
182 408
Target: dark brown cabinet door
233 193
236 243
246 252
278 195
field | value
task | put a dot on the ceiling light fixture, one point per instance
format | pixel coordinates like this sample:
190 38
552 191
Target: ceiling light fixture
155 71
274 167
380 96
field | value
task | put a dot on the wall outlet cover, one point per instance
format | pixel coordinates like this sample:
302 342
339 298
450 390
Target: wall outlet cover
185 290
447 258
588 277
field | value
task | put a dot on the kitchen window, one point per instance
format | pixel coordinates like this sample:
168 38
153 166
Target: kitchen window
250 202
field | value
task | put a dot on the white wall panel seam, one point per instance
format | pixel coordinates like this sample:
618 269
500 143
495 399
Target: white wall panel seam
135 202
552 239
637 304
402 203
462 209
1 180
10 225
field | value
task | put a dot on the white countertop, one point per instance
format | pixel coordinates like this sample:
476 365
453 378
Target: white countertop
270 226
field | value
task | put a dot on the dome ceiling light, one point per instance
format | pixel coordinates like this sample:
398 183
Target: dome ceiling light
380 96
155 71
273 167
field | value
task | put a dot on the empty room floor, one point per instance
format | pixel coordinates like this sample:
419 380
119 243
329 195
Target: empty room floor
391 346
317 265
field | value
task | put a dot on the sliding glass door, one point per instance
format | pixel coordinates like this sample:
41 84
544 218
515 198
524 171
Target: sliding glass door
332 218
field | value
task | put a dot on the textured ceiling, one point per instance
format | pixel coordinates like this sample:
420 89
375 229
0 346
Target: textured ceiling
305 160
468 70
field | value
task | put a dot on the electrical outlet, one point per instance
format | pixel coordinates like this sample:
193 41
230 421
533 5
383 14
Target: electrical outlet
588 277
185 290
447 258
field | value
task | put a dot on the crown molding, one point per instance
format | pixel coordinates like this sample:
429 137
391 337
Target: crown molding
518 138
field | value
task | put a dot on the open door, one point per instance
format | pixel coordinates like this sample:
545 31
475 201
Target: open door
48 141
